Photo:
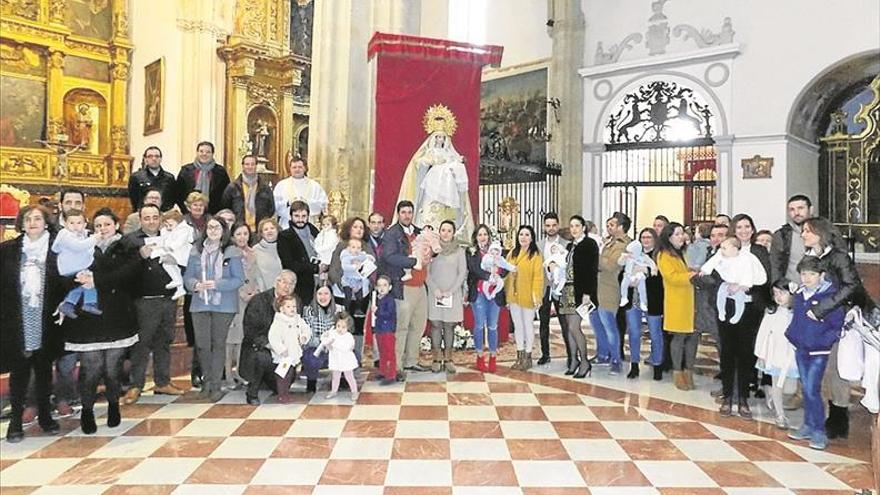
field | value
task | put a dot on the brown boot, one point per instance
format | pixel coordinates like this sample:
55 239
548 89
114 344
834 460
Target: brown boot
519 361
689 379
527 361
679 380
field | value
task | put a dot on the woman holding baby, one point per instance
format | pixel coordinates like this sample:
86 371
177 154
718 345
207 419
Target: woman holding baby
486 302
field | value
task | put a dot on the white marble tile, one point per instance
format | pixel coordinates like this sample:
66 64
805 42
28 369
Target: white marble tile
568 413
160 471
196 489
675 474
277 411
418 473
35 472
623 490
71 490
486 490
709 450
246 448
317 428
347 490
375 413
290 472
594 450
801 475
633 430
506 399
362 448
548 474
479 449
728 434
24 448
473 413
467 387
425 399
210 428
129 447
528 429
422 429
181 411
819 456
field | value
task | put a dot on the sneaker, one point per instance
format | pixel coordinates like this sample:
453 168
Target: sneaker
615 369
819 441
601 361
92 309
801 434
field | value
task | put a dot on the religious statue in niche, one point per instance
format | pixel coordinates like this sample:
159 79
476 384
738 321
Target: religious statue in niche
82 127
436 179
260 138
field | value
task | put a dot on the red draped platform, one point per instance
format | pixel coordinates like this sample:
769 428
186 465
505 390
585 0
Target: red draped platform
412 75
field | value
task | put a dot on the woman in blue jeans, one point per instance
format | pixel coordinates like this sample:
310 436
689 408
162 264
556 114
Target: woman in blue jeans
654 286
485 310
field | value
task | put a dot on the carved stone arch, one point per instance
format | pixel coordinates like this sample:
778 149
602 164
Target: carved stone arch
810 111
613 102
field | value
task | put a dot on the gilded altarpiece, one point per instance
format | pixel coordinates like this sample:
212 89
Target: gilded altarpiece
262 75
64 69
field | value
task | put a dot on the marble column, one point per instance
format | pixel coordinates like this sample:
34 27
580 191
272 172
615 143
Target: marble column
203 77
342 92
565 84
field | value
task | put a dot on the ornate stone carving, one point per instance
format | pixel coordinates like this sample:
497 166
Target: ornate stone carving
613 54
22 59
250 19
29 9
24 165
120 172
87 47
706 37
262 93
336 204
11 27
119 139
120 23
657 35
56 60
272 19
88 170
196 26
56 10
120 71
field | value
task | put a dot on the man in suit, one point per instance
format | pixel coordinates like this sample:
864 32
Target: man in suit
152 176
296 249
551 238
411 296
203 175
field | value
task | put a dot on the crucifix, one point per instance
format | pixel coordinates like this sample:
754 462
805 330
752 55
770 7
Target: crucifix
62 149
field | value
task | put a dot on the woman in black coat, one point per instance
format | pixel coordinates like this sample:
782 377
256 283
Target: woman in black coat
581 281
102 341
30 289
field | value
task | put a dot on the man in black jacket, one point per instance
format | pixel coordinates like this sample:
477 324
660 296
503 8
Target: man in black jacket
787 249
203 175
152 176
411 296
156 313
256 359
296 249
249 196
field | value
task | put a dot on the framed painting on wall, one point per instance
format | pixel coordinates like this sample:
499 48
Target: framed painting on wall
154 96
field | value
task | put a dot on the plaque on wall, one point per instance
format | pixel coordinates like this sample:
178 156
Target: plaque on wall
757 167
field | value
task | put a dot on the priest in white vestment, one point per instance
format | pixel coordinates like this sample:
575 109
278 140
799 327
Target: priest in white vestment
298 187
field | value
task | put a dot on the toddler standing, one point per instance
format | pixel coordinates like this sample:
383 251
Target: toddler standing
739 270
288 333
76 252
813 340
775 353
340 343
385 318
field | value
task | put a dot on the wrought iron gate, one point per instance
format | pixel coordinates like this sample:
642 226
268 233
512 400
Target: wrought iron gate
514 195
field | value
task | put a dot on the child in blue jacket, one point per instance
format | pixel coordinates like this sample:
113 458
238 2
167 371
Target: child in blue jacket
813 340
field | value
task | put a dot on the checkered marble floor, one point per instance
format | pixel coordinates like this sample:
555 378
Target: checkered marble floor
510 433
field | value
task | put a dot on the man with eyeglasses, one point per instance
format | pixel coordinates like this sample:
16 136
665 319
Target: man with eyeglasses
152 176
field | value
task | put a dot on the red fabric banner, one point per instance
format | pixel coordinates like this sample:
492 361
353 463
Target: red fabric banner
414 74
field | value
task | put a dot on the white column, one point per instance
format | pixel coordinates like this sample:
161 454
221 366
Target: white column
725 169
591 183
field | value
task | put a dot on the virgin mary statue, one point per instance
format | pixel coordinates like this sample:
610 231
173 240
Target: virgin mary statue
436 179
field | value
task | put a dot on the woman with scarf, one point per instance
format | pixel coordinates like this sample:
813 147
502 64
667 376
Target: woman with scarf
102 341
319 317
213 276
266 263
249 196
203 175
241 235
30 289
446 277
353 228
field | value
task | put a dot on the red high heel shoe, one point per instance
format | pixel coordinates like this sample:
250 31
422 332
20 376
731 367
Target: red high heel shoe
492 364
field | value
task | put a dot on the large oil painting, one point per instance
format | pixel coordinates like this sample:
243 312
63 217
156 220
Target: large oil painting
86 68
23 119
154 96
513 121
91 18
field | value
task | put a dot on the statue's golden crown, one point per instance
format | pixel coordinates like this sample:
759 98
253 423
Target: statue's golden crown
439 118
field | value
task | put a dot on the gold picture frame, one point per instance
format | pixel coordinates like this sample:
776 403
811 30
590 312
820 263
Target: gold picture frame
154 97
757 167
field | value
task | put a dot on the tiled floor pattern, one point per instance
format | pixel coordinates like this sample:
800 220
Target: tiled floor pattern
471 434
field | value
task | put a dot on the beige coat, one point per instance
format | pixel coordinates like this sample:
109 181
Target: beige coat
609 272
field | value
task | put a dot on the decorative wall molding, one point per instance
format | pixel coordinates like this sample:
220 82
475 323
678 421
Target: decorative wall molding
197 26
718 53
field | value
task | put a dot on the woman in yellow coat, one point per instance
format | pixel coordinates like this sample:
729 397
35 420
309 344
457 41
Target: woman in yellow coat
678 304
525 291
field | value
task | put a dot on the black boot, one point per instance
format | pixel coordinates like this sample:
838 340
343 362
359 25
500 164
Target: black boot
837 424
87 421
47 423
113 415
633 371
658 373
311 386
15 432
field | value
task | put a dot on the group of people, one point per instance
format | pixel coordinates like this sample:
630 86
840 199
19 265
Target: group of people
269 297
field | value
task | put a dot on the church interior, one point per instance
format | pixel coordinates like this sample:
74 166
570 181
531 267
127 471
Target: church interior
685 110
